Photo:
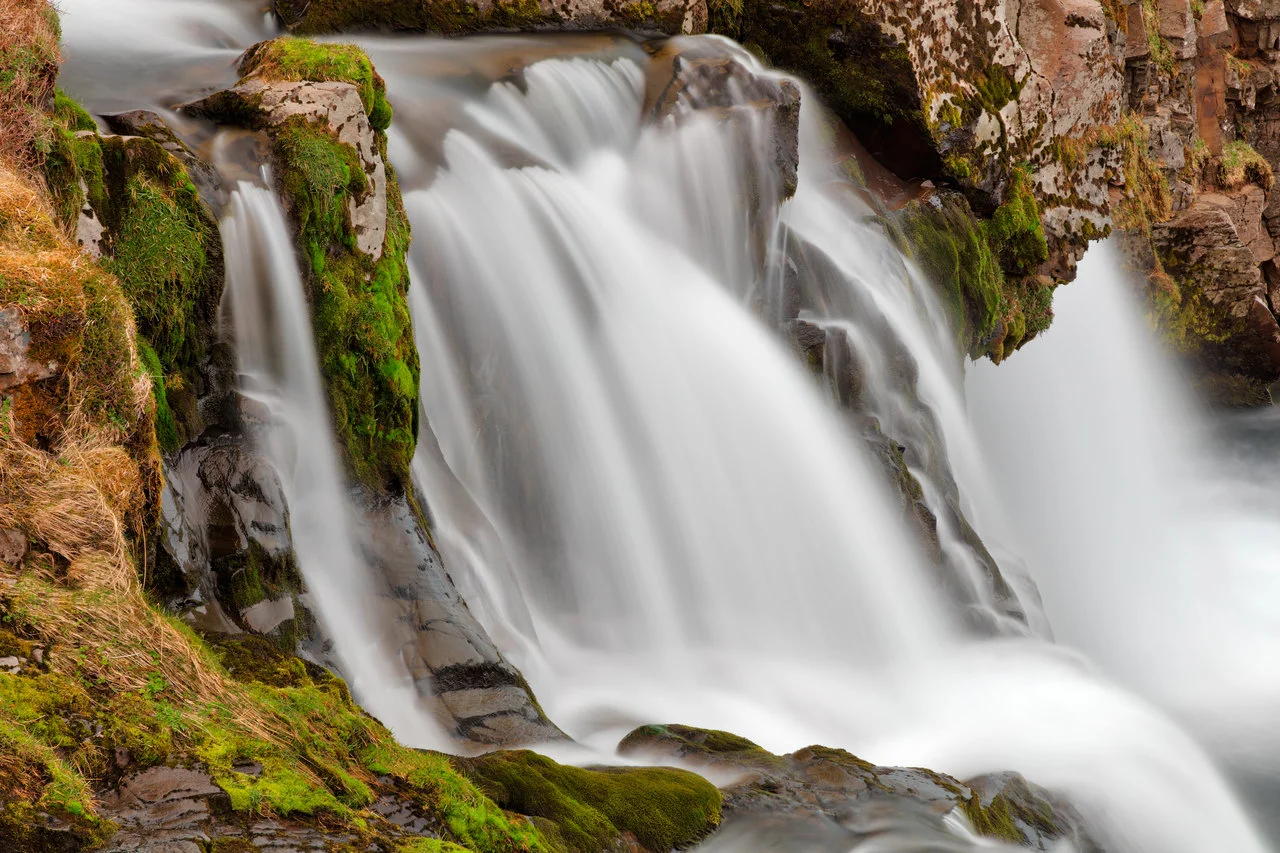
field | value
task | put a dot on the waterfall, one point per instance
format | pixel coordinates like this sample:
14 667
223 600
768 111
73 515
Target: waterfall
285 411
662 517
653 509
1156 548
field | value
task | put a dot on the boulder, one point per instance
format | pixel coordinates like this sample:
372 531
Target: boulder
150 125
834 793
267 104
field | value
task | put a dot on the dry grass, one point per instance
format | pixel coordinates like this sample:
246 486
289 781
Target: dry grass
29 57
83 495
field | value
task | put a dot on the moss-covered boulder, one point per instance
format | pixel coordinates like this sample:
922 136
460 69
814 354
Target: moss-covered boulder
810 786
325 111
587 809
984 270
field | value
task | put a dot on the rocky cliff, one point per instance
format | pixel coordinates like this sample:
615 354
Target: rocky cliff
1031 127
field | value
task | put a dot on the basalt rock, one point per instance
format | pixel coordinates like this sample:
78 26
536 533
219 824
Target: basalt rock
1218 286
834 795
474 691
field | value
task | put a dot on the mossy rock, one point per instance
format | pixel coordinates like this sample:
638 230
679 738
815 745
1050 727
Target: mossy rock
360 313
163 245
984 269
293 59
582 810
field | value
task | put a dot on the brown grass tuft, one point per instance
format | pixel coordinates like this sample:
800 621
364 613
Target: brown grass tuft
29 57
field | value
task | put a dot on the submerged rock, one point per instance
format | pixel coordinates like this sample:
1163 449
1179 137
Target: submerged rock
726 88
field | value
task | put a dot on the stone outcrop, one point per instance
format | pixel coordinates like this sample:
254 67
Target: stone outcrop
337 105
16 367
671 17
845 800
229 527
711 84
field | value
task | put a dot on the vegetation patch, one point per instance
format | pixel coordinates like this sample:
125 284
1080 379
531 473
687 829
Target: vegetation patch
1240 165
29 57
290 58
587 809
161 243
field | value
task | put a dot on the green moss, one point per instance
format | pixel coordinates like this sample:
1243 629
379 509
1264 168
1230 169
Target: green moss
251 576
1014 230
429 845
70 114
591 808
952 248
290 58
103 358
360 313
166 429
994 821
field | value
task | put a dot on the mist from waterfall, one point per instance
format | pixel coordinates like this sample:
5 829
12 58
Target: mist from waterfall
287 416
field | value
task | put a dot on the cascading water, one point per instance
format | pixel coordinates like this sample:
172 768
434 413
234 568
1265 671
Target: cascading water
1156 550
288 417
610 411
649 505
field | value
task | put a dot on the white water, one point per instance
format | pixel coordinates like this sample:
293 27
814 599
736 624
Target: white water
645 501
1156 554
286 413
690 535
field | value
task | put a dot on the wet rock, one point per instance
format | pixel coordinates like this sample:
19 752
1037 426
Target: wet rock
477 693
730 90
15 341
227 539
181 810
839 796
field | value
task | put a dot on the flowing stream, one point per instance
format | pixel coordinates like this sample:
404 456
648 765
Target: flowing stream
660 516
